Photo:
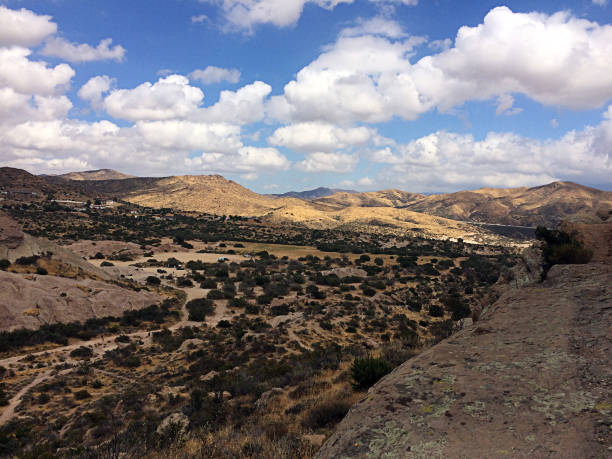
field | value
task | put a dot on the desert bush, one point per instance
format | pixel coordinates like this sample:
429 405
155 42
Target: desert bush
106 263
24 261
41 271
82 394
366 371
82 352
4 263
326 413
199 309
153 280
215 295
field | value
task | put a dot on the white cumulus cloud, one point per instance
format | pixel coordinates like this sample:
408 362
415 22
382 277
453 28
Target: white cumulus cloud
320 137
74 52
21 74
24 27
556 59
328 162
93 90
170 97
212 74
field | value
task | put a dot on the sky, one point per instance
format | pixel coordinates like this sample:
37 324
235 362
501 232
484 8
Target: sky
278 95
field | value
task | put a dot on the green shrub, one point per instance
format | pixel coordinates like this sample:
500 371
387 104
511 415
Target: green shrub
153 280
215 295
4 263
199 309
41 271
366 371
106 263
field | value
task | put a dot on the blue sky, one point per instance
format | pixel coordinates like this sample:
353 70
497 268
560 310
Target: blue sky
427 95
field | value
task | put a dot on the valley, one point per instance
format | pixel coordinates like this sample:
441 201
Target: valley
222 335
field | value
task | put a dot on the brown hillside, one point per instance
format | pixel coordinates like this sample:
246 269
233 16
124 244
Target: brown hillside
20 185
100 174
211 194
544 205
385 198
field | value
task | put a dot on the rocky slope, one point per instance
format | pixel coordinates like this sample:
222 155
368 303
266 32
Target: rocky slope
532 378
30 300
81 292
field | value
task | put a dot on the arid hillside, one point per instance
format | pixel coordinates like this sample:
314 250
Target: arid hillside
20 185
385 198
99 174
543 205
387 210
211 194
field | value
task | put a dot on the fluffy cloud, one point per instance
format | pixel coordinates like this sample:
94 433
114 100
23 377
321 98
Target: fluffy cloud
248 161
378 25
92 90
320 137
170 97
244 106
189 136
17 108
448 161
74 52
246 14
556 60
212 74
30 77
328 162
24 27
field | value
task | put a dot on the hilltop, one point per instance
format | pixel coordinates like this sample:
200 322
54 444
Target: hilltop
98 174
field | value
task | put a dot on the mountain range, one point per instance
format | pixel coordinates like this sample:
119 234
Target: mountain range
393 210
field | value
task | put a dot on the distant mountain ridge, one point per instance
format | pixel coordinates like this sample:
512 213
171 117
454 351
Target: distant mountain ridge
319 192
394 211
98 174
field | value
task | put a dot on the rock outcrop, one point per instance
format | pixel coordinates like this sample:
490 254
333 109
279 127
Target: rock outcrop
532 378
11 235
30 301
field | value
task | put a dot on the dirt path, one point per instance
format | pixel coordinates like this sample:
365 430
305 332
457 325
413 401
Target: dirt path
107 343
9 410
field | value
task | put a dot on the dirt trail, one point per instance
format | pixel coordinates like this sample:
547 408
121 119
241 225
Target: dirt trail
107 343
9 410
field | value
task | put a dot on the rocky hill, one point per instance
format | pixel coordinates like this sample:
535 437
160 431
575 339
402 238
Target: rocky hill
385 198
532 378
20 185
99 174
211 194
69 289
543 205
